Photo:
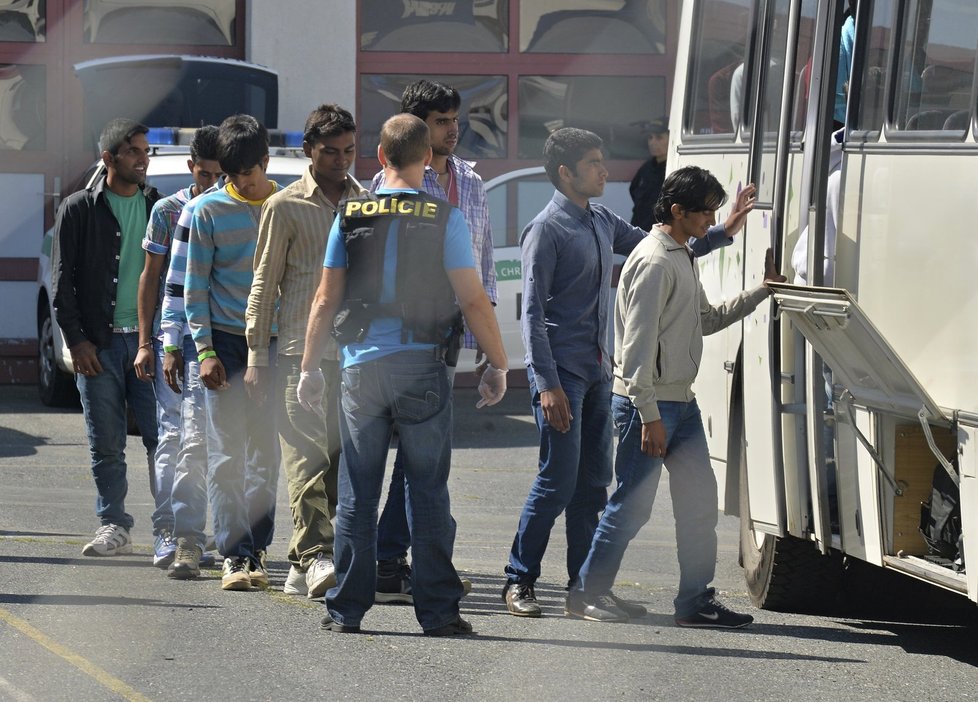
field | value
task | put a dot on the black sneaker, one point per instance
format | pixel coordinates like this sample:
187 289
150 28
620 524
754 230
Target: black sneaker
327 624
459 627
593 608
394 582
521 601
713 614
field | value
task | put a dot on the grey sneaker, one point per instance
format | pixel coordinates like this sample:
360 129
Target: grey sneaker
110 540
186 562
320 576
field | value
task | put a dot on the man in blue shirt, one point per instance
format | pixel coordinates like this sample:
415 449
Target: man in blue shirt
568 256
395 264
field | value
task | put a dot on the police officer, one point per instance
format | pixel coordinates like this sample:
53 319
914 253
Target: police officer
396 263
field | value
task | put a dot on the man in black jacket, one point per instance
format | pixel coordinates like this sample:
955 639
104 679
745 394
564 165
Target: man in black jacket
97 259
647 183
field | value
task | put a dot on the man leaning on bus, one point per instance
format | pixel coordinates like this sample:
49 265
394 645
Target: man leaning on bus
661 316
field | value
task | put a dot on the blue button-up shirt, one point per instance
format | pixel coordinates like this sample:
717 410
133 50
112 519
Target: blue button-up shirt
568 255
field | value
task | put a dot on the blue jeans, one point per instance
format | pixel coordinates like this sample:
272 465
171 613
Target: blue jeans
408 391
694 502
573 475
181 458
104 397
242 456
393 533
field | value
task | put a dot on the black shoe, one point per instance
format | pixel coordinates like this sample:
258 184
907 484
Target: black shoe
593 608
521 601
713 614
327 624
633 609
394 582
459 627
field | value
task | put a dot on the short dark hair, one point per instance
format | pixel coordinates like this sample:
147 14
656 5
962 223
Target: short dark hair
423 97
692 188
203 147
404 140
117 132
565 147
242 143
328 121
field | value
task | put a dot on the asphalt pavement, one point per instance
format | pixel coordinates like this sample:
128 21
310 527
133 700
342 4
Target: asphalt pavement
76 628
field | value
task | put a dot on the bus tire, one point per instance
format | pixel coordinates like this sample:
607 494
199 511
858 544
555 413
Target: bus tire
785 574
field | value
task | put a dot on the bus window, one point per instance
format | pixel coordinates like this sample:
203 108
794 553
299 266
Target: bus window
716 87
871 108
936 66
776 51
803 66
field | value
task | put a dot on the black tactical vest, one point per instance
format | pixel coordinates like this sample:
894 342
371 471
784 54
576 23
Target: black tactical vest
424 298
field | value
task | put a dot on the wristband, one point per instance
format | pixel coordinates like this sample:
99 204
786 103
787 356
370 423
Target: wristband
204 355
147 345
171 349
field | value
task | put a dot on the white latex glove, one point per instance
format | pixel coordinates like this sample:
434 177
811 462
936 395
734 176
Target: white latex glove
312 387
492 386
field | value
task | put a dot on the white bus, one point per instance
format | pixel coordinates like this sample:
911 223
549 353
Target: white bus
819 478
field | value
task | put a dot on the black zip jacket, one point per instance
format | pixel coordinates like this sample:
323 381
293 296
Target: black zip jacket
85 264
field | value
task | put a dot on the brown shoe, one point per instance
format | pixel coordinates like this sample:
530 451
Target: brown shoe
520 600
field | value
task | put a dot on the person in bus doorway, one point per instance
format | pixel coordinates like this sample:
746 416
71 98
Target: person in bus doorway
288 264
96 259
647 183
567 257
396 263
450 178
181 456
661 316
242 446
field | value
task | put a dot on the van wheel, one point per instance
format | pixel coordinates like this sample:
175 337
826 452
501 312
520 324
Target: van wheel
56 388
785 574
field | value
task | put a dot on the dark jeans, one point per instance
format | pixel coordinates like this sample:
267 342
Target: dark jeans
242 456
408 391
104 398
573 475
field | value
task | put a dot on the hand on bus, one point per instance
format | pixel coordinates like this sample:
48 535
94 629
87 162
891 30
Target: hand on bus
556 409
744 203
770 270
654 439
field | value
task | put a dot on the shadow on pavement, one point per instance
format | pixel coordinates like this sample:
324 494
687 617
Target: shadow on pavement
90 600
15 443
113 561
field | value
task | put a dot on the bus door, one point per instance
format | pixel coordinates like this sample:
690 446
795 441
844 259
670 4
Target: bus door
768 123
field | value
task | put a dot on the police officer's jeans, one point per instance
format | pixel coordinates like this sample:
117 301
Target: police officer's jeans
573 475
104 398
408 391
393 534
694 501
310 459
181 458
242 456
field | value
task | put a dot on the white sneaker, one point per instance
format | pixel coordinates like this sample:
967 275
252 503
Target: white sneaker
295 583
320 576
110 540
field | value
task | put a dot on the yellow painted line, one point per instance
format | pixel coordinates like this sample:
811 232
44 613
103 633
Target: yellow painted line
104 678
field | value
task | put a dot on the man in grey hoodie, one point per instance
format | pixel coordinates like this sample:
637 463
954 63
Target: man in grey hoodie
660 319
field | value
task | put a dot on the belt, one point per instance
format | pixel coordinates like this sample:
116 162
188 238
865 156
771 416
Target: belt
125 330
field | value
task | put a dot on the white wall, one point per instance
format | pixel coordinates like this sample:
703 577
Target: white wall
312 45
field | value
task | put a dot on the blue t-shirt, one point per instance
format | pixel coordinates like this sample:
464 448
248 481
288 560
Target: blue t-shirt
384 335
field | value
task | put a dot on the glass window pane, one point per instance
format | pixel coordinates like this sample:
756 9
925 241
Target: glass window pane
195 22
434 25
803 65
593 26
872 89
482 118
716 90
23 101
22 20
936 66
548 103
770 112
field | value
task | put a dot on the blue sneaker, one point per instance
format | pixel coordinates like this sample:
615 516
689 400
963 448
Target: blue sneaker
164 549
